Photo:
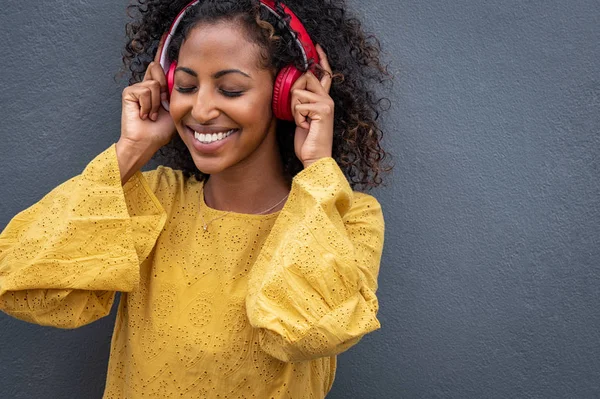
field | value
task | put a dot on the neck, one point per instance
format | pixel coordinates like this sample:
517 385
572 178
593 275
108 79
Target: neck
251 186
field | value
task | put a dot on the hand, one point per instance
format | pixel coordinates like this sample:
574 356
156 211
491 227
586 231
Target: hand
313 108
144 123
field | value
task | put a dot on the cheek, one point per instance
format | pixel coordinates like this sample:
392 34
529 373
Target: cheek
258 107
251 110
178 107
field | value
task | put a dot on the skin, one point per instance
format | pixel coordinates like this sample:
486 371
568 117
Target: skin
246 174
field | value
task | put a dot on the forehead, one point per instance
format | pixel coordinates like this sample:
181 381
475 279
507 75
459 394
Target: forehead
218 44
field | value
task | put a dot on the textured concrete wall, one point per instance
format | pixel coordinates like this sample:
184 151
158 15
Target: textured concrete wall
490 279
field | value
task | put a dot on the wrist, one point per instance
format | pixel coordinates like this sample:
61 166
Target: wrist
311 161
131 158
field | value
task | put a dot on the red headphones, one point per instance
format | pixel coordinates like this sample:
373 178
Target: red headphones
285 78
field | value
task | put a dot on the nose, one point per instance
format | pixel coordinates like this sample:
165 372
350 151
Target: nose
205 109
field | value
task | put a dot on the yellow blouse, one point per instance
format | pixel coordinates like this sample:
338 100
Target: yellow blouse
256 307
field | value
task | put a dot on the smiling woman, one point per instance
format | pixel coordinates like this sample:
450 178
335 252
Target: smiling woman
247 262
353 54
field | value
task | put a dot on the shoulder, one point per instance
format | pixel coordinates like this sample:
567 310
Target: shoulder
168 184
164 177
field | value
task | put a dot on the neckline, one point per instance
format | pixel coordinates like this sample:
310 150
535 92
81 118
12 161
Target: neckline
214 211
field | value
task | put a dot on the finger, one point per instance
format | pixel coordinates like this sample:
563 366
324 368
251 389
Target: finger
159 50
144 98
300 116
300 96
324 62
300 83
155 72
313 84
155 94
313 111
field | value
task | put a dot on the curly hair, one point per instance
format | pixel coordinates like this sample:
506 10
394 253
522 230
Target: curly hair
353 54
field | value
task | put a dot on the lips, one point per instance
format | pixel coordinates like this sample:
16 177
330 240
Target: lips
214 146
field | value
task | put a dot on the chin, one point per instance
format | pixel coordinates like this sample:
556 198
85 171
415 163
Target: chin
208 165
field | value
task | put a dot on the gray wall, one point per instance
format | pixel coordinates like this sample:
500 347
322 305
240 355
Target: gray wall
489 285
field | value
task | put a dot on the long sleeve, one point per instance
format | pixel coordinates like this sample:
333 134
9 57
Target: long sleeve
63 258
312 288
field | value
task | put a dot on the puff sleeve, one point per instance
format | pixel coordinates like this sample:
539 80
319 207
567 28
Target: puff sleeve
312 288
63 258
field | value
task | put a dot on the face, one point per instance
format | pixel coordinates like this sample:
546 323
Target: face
221 101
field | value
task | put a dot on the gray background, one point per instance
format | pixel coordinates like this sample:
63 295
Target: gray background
489 284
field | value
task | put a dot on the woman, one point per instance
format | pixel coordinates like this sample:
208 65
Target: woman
246 262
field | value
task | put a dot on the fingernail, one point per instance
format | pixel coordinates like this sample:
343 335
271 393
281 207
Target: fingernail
144 116
154 116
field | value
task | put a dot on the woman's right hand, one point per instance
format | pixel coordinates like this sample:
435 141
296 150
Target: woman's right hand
144 122
145 125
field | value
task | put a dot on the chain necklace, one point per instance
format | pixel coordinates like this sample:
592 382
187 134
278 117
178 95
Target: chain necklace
205 224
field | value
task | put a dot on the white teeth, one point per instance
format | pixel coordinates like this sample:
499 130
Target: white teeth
209 138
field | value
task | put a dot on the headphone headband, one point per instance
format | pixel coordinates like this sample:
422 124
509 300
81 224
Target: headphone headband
303 40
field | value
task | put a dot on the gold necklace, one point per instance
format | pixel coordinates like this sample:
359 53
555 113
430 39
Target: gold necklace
205 225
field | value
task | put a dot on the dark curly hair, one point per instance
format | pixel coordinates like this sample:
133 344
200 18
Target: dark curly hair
353 55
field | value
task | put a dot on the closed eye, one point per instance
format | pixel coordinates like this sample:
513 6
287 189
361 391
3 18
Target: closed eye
232 93
185 89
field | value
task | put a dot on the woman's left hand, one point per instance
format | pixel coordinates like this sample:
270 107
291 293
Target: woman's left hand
313 108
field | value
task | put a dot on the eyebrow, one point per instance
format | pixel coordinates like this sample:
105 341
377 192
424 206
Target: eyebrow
216 75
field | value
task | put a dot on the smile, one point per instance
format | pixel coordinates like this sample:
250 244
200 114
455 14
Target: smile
209 138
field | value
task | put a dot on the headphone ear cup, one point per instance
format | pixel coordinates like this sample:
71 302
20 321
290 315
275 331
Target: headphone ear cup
282 98
171 77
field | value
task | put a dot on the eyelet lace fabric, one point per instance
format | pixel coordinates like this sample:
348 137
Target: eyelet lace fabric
257 307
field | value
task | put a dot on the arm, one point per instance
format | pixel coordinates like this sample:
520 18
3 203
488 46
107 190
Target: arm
63 258
312 288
